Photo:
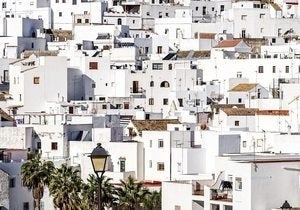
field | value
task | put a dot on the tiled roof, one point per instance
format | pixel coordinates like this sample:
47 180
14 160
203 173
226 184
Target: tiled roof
239 111
207 35
5 116
273 112
193 54
228 43
243 87
153 125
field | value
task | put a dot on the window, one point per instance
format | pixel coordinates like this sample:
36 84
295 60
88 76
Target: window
12 182
159 49
151 101
279 31
298 69
3 5
274 69
261 16
196 35
197 8
166 31
180 101
146 50
165 84
25 206
104 106
36 80
152 84
260 69
122 165
78 20
39 145
222 8
160 15
53 145
60 14
243 17
93 65
93 85
170 66
178 167
157 66
273 40
119 21
74 2
244 33
150 163
148 13
165 101
160 143
259 142
177 207
133 21
239 74
239 100
32 45
150 143
63 1
56 1
287 69
203 10
238 183
167 14
244 144
236 123
20 97
86 20
160 166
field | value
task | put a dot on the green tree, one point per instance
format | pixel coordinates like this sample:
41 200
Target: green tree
90 192
36 175
65 187
131 195
153 201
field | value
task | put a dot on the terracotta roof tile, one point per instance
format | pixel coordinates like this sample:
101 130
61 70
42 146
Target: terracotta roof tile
273 112
153 125
228 43
239 111
243 87
207 35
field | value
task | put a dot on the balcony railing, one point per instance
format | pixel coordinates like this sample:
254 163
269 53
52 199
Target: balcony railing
219 195
138 93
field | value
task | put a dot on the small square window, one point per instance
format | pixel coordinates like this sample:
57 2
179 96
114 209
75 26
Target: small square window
160 143
238 183
160 166
78 20
86 20
287 69
25 206
165 101
93 65
239 100
36 80
53 145
244 144
93 85
237 123
151 101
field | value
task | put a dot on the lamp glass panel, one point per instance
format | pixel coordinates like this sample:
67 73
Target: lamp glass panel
98 163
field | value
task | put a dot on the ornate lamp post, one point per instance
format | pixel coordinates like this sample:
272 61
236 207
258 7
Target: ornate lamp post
99 157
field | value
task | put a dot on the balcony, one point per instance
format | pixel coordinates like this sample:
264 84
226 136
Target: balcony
198 189
138 92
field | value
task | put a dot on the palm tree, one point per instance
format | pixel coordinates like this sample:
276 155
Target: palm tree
90 192
131 195
65 187
153 201
36 174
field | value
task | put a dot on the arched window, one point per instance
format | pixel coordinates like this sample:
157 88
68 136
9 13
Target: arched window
119 21
165 84
152 84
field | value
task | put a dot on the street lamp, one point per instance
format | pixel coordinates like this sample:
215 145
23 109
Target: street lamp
286 206
99 157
